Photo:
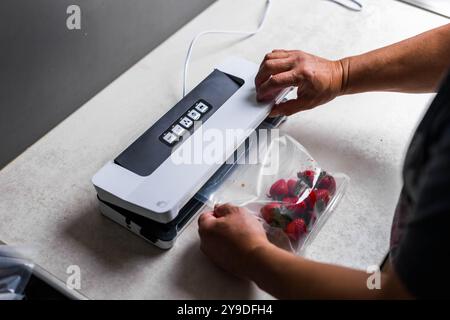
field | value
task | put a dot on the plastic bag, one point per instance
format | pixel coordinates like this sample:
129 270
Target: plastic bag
15 272
285 187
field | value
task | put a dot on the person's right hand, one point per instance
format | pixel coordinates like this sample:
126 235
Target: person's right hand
318 80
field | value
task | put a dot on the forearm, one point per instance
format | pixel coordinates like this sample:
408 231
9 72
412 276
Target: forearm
286 276
414 65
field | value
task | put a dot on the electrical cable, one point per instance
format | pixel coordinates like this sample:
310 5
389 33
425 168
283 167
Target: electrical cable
235 32
356 7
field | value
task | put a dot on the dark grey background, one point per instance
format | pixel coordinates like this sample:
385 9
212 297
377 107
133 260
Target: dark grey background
48 71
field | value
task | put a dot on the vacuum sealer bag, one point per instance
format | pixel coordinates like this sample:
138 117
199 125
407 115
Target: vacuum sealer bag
274 177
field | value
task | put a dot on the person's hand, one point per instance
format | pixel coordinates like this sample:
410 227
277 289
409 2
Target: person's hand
318 80
229 236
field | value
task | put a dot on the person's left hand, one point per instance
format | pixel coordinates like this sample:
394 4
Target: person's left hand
229 236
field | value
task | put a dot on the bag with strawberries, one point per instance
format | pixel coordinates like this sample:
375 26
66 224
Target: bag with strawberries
297 205
285 188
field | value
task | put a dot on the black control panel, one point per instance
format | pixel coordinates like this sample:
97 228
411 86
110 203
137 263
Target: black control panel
186 123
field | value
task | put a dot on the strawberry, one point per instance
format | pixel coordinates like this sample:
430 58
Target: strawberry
296 229
307 176
279 189
300 208
311 199
322 199
270 211
322 195
296 208
293 187
328 183
290 199
290 202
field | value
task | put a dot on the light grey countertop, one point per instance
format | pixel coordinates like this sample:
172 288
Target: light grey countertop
48 203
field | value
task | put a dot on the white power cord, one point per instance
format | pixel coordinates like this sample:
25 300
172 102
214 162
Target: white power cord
242 33
352 5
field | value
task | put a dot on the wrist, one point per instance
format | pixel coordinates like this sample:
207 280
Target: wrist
344 70
257 260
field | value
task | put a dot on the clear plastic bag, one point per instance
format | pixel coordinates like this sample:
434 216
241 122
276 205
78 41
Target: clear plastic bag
15 272
285 187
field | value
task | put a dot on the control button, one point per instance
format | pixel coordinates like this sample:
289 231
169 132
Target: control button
178 130
194 115
203 108
186 122
170 138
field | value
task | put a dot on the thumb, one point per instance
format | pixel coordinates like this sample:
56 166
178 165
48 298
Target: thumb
206 219
223 210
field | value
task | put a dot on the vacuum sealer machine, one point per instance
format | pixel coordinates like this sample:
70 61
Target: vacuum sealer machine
145 190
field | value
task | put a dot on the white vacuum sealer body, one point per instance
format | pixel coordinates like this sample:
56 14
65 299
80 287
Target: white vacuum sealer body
146 180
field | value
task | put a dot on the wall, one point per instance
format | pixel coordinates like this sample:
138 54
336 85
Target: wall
48 71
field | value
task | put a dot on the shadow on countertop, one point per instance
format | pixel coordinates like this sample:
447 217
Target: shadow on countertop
201 279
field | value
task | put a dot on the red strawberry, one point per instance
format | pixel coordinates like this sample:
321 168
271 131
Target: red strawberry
322 199
290 202
269 211
290 199
311 199
328 183
292 187
322 195
309 216
300 208
292 205
307 176
296 229
279 189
